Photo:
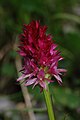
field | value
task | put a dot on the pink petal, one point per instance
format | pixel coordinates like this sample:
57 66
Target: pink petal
61 58
23 76
30 81
30 38
41 74
58 78
37 24
35 84
62 70
53 64
49 37
21 53
42 84
20 78
52 48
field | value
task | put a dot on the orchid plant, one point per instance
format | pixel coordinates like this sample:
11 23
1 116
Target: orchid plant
40 60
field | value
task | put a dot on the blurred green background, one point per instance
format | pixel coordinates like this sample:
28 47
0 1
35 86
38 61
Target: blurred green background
63 21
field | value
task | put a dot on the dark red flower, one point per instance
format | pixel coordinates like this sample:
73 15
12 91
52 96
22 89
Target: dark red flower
40 56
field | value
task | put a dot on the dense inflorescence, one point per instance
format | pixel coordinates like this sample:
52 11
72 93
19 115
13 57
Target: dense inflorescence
40 56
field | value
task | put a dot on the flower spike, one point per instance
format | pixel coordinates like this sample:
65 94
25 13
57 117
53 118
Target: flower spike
40 56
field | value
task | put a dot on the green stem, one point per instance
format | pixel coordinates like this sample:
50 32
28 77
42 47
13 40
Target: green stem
48 103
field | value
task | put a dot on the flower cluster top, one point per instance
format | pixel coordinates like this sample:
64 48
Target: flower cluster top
40 56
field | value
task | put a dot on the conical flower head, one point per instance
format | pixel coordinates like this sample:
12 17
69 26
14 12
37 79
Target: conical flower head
40 56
